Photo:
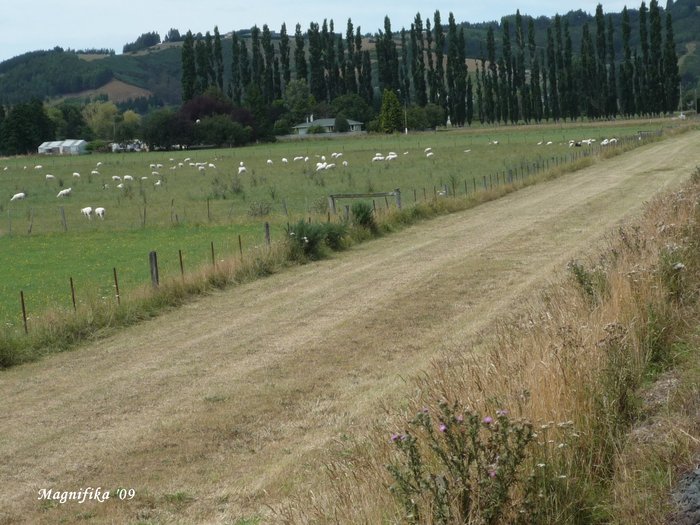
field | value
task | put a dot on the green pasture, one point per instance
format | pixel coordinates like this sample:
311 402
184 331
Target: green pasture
191 208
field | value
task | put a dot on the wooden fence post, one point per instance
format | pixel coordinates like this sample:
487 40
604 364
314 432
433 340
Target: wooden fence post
153 262
116 286
72 293
398 197
267 233
182 266
24 311
240 246
63 219
213 260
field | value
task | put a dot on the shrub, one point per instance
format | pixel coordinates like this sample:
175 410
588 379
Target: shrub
307 240
363 215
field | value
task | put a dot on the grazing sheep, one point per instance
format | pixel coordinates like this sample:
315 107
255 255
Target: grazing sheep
345 163
76 174
18 196
429 154
49 177
65 193
158 183
426 150
269 162
211 165
100 212
38 167
378 157
116 177
87 211
94 172
298 158
241 169
128 177
284 160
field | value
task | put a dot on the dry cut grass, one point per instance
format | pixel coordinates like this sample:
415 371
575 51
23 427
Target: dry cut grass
572 362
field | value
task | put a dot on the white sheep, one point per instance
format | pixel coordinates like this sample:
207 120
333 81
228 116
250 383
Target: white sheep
211 165
298 158
269 162
345 163
49 177
100 212
94 172
116 177
378 157
241 169
18 196
284 160
158 183
128 177
38 167
65 193
87 211
76 174
429 154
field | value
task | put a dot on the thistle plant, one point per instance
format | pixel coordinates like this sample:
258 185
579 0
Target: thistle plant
458 466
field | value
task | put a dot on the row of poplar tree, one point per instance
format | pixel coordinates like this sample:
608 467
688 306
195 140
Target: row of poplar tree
423 65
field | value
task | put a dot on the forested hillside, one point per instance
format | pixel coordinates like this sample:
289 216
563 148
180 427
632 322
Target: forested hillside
57 73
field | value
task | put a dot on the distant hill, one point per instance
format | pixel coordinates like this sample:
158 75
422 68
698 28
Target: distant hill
156 72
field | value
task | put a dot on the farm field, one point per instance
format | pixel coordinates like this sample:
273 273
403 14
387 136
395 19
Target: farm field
223 410
192 208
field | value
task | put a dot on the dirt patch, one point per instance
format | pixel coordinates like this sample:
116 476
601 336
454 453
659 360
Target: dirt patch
116 91
224 407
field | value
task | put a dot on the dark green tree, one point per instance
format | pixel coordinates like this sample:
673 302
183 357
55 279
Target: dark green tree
366 89
317 81
655 67
203 66
627 105
439 76
218 60
268 50
189 69
418 69
25 127
284 55
350 76
257 65
300 55
671 75
611 107
554 108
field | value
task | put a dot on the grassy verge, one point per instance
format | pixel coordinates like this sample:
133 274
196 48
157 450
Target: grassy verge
582 408
59 330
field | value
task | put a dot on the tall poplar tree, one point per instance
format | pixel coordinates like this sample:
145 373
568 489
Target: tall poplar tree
611 108
284 55
189 69
627 105
419 84
349 74
300 64
218 60
671 75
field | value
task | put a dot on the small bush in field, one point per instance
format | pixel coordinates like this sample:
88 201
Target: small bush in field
307 240
458 467
363 215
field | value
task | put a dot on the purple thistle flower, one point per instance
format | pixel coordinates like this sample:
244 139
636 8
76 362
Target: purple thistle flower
492 473
487 420
395 438
442 427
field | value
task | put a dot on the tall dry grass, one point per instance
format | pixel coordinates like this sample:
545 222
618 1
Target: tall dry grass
571 363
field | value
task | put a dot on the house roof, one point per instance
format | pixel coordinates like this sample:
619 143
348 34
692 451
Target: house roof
325 123
62 143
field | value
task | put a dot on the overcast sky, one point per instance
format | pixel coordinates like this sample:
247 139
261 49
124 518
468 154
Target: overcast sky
81 24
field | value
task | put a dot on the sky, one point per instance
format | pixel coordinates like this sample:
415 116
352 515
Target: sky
83 24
